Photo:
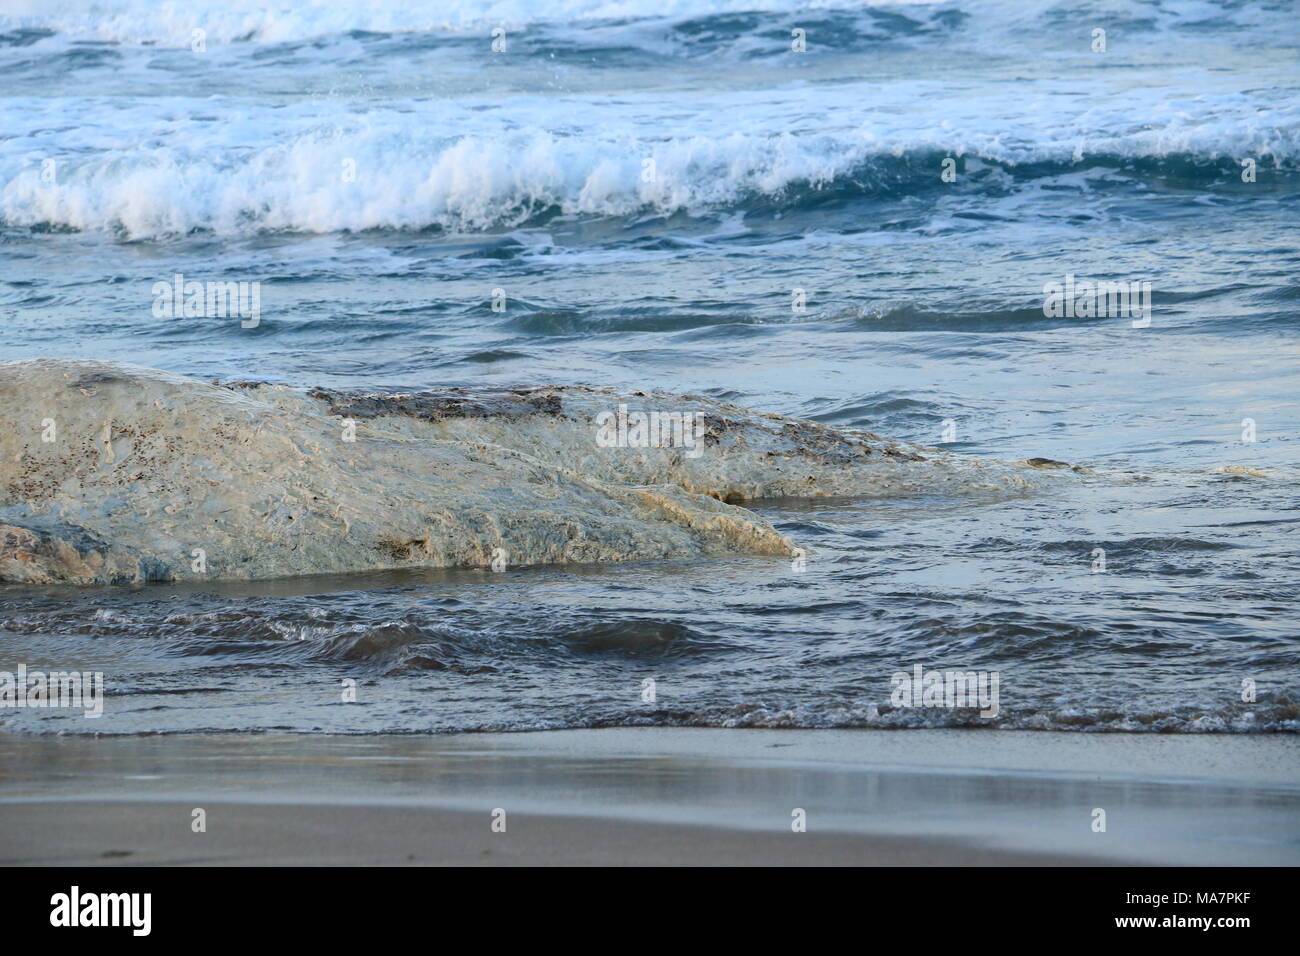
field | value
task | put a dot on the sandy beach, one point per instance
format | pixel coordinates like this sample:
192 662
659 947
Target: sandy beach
652 796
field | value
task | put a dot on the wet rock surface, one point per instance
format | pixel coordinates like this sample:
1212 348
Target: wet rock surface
121 474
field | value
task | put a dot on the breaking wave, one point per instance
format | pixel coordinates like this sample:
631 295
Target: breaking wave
254 22
480 183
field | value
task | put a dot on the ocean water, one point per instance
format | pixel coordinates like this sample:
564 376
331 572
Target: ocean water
648 183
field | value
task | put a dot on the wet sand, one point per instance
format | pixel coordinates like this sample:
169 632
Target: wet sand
239 834
653 796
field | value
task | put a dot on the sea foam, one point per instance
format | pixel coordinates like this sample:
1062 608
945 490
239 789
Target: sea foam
319 167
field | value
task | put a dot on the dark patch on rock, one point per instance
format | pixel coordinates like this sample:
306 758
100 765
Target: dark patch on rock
152 570
240 383
901 455
441 404
36 528
730 497
55 552
715 427
95 378
400 549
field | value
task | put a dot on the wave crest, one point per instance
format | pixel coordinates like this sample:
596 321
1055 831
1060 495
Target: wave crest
325 182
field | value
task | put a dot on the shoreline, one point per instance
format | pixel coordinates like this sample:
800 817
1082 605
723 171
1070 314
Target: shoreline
645 796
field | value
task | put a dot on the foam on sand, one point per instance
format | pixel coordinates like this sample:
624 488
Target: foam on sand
113 473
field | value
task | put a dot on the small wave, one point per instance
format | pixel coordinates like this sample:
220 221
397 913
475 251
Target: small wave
1127 548
637 637
778 670
1279 715
413 170
145 22
253 21
560 322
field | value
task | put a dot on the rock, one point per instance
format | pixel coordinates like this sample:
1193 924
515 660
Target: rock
157 477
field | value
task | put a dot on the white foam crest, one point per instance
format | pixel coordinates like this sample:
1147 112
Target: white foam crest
225 21
319 167
173 22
